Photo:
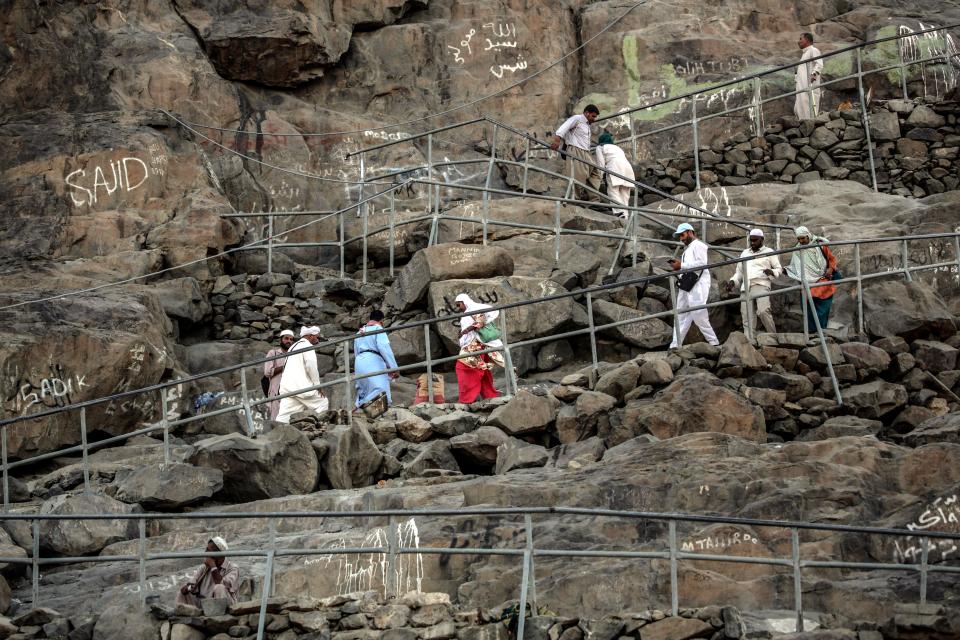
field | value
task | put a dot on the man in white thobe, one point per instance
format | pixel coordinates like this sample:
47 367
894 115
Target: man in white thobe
300 372
612 158
807 104
760 269
694 255
575 132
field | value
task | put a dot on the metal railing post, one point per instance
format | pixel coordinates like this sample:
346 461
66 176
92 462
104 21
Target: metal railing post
804 305
593 337
486 186
556 234
757 108
270 243
142 560
903 70
393 225
797 582
857 266
507 360
6 472
391 583
272 531
245 399
364 208
866 119
267 579
904 261
526 163
349 377
343 247
824 345
532 585
429 356
363 183
674 580
524 585
777 240
35 565
85 454
924 564
750 319
696 141
165 423
633 137
633 227
676 314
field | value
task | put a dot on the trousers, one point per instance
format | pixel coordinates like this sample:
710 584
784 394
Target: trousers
763 315
311 401
620 194
685 319
577 165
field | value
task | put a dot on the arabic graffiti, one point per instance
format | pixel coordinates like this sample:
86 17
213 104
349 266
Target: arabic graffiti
943 514
485 297
502 40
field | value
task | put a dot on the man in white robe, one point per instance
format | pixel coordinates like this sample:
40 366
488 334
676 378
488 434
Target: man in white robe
612 158
807 104
300 372
694 255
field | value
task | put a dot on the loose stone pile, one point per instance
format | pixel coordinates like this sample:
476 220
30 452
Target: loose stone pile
915 155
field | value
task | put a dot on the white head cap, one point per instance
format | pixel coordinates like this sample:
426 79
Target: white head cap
756 232
309 331
287 332
220 543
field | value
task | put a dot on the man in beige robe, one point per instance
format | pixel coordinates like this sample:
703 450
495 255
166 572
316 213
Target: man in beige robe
273 370
807 104
215 578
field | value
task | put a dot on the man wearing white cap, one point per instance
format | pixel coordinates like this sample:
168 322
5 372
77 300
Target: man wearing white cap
215 578
760 269
273 369
694 289
300 372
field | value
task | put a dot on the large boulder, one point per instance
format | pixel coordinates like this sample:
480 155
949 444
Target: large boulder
451 261
693 403
934 356
530 321
945 428
525 413
868 359
183 299
84 537
353 458
795 385
909 310
620 381
434 455
647 334
168 485
737 352
280 463
583 418
517 454
478 447
124 622
875 399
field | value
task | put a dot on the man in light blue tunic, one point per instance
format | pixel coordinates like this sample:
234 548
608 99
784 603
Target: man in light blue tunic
373 353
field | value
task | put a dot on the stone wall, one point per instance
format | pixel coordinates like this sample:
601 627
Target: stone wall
916 148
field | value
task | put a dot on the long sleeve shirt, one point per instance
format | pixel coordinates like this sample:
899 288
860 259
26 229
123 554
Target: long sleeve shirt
576 132
806 71
756 267
229 578
378 344
695 255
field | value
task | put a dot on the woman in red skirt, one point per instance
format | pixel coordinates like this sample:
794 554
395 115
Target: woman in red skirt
474 375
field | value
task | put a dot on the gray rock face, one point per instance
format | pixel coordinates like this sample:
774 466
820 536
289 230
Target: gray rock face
620 381
944 428
353 458
935 356
279 463
585 417
183 299
121 622
737 352
479 447
919 310
168 486
434 455
454 424
84 537
452 261
517 454
866 358
875 399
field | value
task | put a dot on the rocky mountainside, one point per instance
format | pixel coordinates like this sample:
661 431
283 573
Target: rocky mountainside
132 128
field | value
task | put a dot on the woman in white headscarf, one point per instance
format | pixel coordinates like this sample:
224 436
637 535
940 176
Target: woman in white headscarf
474 376
819 263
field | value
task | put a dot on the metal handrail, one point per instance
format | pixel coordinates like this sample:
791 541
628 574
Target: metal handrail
247 404
766 72
394 548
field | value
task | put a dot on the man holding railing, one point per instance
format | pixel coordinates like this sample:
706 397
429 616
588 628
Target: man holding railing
807 104
575 133
760 270
300 372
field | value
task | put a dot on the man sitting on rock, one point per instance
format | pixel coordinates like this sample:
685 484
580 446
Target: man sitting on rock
215 578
